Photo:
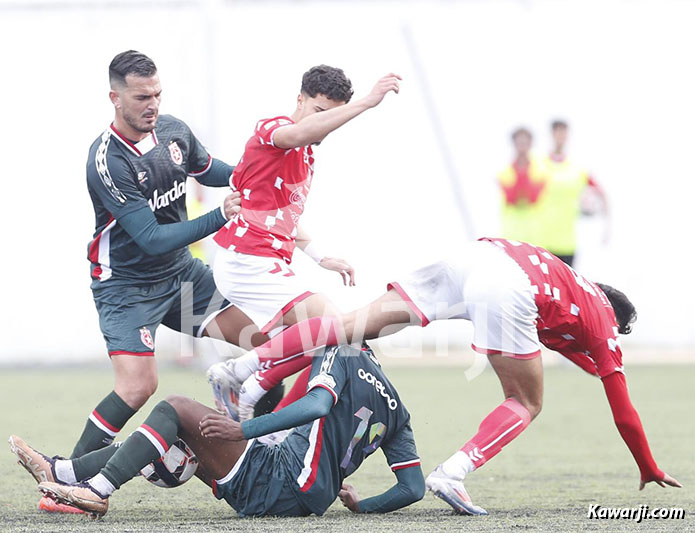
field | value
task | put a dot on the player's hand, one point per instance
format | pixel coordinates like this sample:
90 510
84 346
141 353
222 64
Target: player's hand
348 495
232 205
340 266
219 426
388 83
666 480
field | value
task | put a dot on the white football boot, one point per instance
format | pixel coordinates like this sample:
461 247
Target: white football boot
452 492
225 387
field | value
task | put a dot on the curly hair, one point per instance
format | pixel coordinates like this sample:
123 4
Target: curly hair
328 81
130 62
625 312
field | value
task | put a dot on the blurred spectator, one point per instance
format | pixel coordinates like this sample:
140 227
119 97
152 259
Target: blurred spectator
569 187
522 183
542 197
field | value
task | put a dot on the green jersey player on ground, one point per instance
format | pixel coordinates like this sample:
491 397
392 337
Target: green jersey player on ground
349 411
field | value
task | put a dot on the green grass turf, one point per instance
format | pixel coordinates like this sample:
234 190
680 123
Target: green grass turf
569 458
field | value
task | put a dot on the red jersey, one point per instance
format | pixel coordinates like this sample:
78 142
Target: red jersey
574 316
274 184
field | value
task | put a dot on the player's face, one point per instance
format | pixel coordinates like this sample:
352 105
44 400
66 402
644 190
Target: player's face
560 136
309 105
522 143
138 102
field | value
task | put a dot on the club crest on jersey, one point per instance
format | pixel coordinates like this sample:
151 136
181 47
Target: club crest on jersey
146 338
176 153
298 197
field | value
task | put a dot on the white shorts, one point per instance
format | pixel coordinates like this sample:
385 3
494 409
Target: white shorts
484 285
264 288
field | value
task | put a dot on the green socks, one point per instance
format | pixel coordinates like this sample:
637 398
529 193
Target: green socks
147 443
103 424
90 464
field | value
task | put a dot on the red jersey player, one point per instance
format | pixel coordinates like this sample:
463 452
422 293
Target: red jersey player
517 296
252 269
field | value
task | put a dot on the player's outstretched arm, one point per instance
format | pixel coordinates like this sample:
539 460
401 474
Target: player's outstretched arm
630 427
156 239
315 127
317 403
409 489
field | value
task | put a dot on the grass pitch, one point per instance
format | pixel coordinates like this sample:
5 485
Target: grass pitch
570 457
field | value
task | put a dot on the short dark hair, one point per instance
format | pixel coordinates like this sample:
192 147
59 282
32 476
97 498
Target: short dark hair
625 312
328 81
559 123
130 62
521 131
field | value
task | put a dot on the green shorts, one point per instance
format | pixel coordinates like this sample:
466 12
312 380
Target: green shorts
260 484
129 314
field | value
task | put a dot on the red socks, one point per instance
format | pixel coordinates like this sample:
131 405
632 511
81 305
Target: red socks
297 391
301 338
497 430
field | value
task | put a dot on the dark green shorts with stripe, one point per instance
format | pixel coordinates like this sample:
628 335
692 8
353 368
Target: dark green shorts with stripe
262 485
130 313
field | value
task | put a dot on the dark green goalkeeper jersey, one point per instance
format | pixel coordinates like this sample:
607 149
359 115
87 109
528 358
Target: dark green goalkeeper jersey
122 177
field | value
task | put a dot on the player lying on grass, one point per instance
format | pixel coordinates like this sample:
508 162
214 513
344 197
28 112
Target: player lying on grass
518 297
349 411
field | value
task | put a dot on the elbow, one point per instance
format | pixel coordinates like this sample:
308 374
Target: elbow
296 138
625 426
153 247
323 410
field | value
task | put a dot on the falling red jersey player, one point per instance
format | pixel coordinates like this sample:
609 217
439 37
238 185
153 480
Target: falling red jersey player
517 296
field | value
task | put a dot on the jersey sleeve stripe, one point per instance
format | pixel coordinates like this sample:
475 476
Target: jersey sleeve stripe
101 164
335 396
397 287
405 464
197 173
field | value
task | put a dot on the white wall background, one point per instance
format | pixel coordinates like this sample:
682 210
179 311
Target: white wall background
620 71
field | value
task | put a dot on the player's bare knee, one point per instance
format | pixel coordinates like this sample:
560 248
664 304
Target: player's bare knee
137 394
347 323
533 406
175 400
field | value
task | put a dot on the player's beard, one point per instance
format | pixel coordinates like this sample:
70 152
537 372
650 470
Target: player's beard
138 123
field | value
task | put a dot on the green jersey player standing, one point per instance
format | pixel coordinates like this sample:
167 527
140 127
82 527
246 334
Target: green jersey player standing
142 272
